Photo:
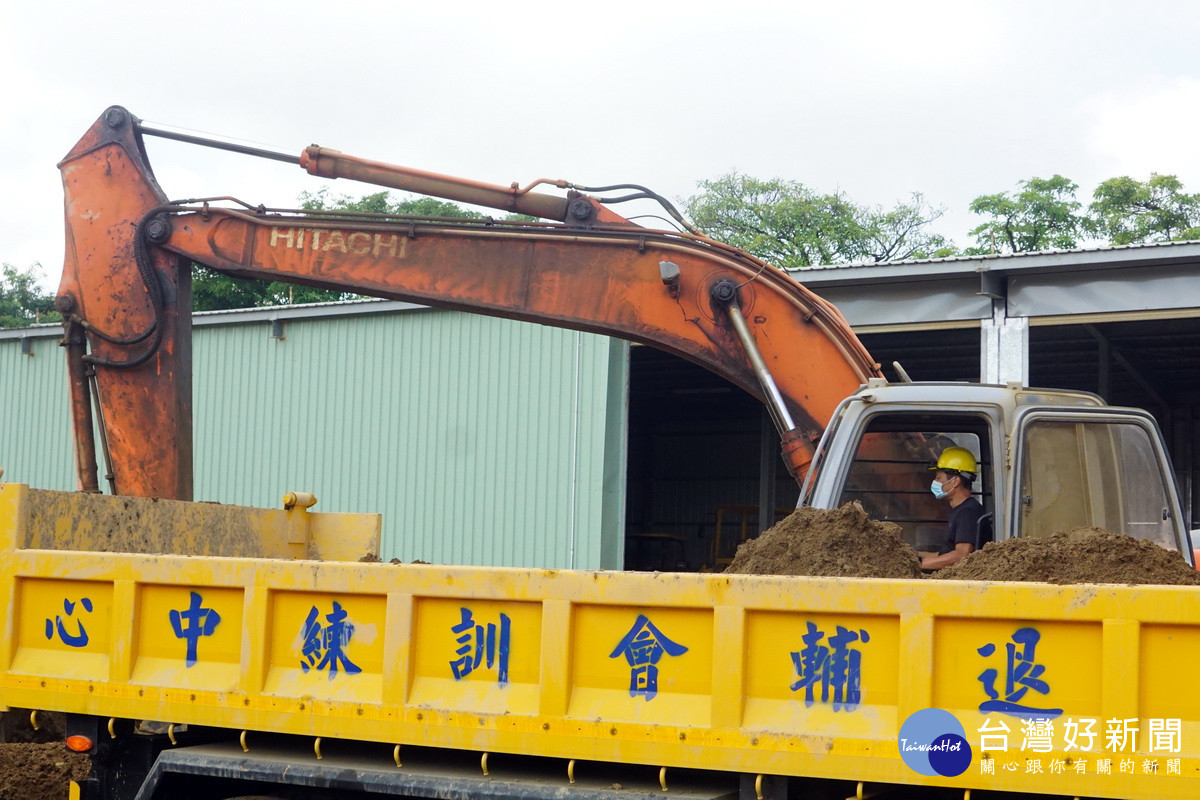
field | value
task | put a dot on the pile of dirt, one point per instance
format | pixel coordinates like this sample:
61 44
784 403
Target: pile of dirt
847 543
39 771
842 542
1082 555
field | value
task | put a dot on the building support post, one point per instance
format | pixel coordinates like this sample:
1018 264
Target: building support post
1004 347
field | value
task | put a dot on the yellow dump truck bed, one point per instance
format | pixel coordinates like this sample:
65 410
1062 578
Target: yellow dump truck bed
1071 690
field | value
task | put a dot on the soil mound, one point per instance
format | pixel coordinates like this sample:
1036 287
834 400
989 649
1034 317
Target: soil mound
842 542
39 771
1082 555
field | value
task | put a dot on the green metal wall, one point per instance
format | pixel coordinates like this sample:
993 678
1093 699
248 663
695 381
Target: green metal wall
480 440
35 439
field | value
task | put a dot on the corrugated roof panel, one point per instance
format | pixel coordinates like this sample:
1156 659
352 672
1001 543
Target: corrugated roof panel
1188 248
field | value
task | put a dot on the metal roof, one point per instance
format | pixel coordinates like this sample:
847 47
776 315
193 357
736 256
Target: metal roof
1054 260
335 308
235 316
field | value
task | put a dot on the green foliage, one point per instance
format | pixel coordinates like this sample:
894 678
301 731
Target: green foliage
902 233
1156 210
1042 214
212 291
22 301
791 226
382 203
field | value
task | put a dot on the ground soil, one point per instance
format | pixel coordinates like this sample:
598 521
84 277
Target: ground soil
35 764
39 771
1083 555
842 542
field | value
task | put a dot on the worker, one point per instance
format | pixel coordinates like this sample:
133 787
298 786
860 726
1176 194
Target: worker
953 475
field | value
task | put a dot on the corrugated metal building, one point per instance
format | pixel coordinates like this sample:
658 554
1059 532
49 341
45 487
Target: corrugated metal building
480 440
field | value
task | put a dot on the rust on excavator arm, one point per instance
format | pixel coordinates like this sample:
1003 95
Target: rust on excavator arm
604 277
108 187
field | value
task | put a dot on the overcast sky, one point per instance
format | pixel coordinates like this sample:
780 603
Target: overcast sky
877 99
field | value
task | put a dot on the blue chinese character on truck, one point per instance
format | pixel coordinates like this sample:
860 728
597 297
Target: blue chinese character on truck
194 622
643 647
62 623
479 644
834 666
324 646
1022 673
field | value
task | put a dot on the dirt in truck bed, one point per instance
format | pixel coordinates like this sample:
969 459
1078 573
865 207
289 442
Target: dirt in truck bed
1083 555
842 542
845 542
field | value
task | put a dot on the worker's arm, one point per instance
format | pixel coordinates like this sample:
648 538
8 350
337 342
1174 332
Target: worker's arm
960 551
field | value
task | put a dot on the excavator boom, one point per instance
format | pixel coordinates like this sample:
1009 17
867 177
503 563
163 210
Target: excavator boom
125 294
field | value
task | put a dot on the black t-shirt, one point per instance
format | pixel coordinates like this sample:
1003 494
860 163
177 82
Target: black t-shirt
963 524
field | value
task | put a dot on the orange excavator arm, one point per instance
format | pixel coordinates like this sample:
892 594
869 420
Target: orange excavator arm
125 292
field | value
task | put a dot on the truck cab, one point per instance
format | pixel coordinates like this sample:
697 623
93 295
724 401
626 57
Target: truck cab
1049 460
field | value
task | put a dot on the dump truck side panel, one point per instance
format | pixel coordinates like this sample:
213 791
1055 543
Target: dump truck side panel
734 673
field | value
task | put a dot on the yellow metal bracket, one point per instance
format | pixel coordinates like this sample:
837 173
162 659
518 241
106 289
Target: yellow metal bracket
861 792
298 499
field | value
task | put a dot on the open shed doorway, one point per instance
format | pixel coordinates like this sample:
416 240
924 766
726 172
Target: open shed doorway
704 463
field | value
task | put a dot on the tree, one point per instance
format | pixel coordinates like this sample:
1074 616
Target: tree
22 301
1156 210
1042 214
791 226
902 233
212 291
382 203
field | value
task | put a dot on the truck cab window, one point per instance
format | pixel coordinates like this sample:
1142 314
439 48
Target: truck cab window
890 473
1097 473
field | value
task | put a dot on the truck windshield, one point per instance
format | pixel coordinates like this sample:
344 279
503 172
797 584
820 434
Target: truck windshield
890 473
1103 473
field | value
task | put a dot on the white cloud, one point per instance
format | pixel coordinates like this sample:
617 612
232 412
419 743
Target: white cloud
876 97
1152 128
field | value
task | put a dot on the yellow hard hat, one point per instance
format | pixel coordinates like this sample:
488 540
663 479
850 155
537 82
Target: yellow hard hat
959 459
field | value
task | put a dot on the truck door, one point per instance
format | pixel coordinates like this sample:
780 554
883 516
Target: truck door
1106 469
